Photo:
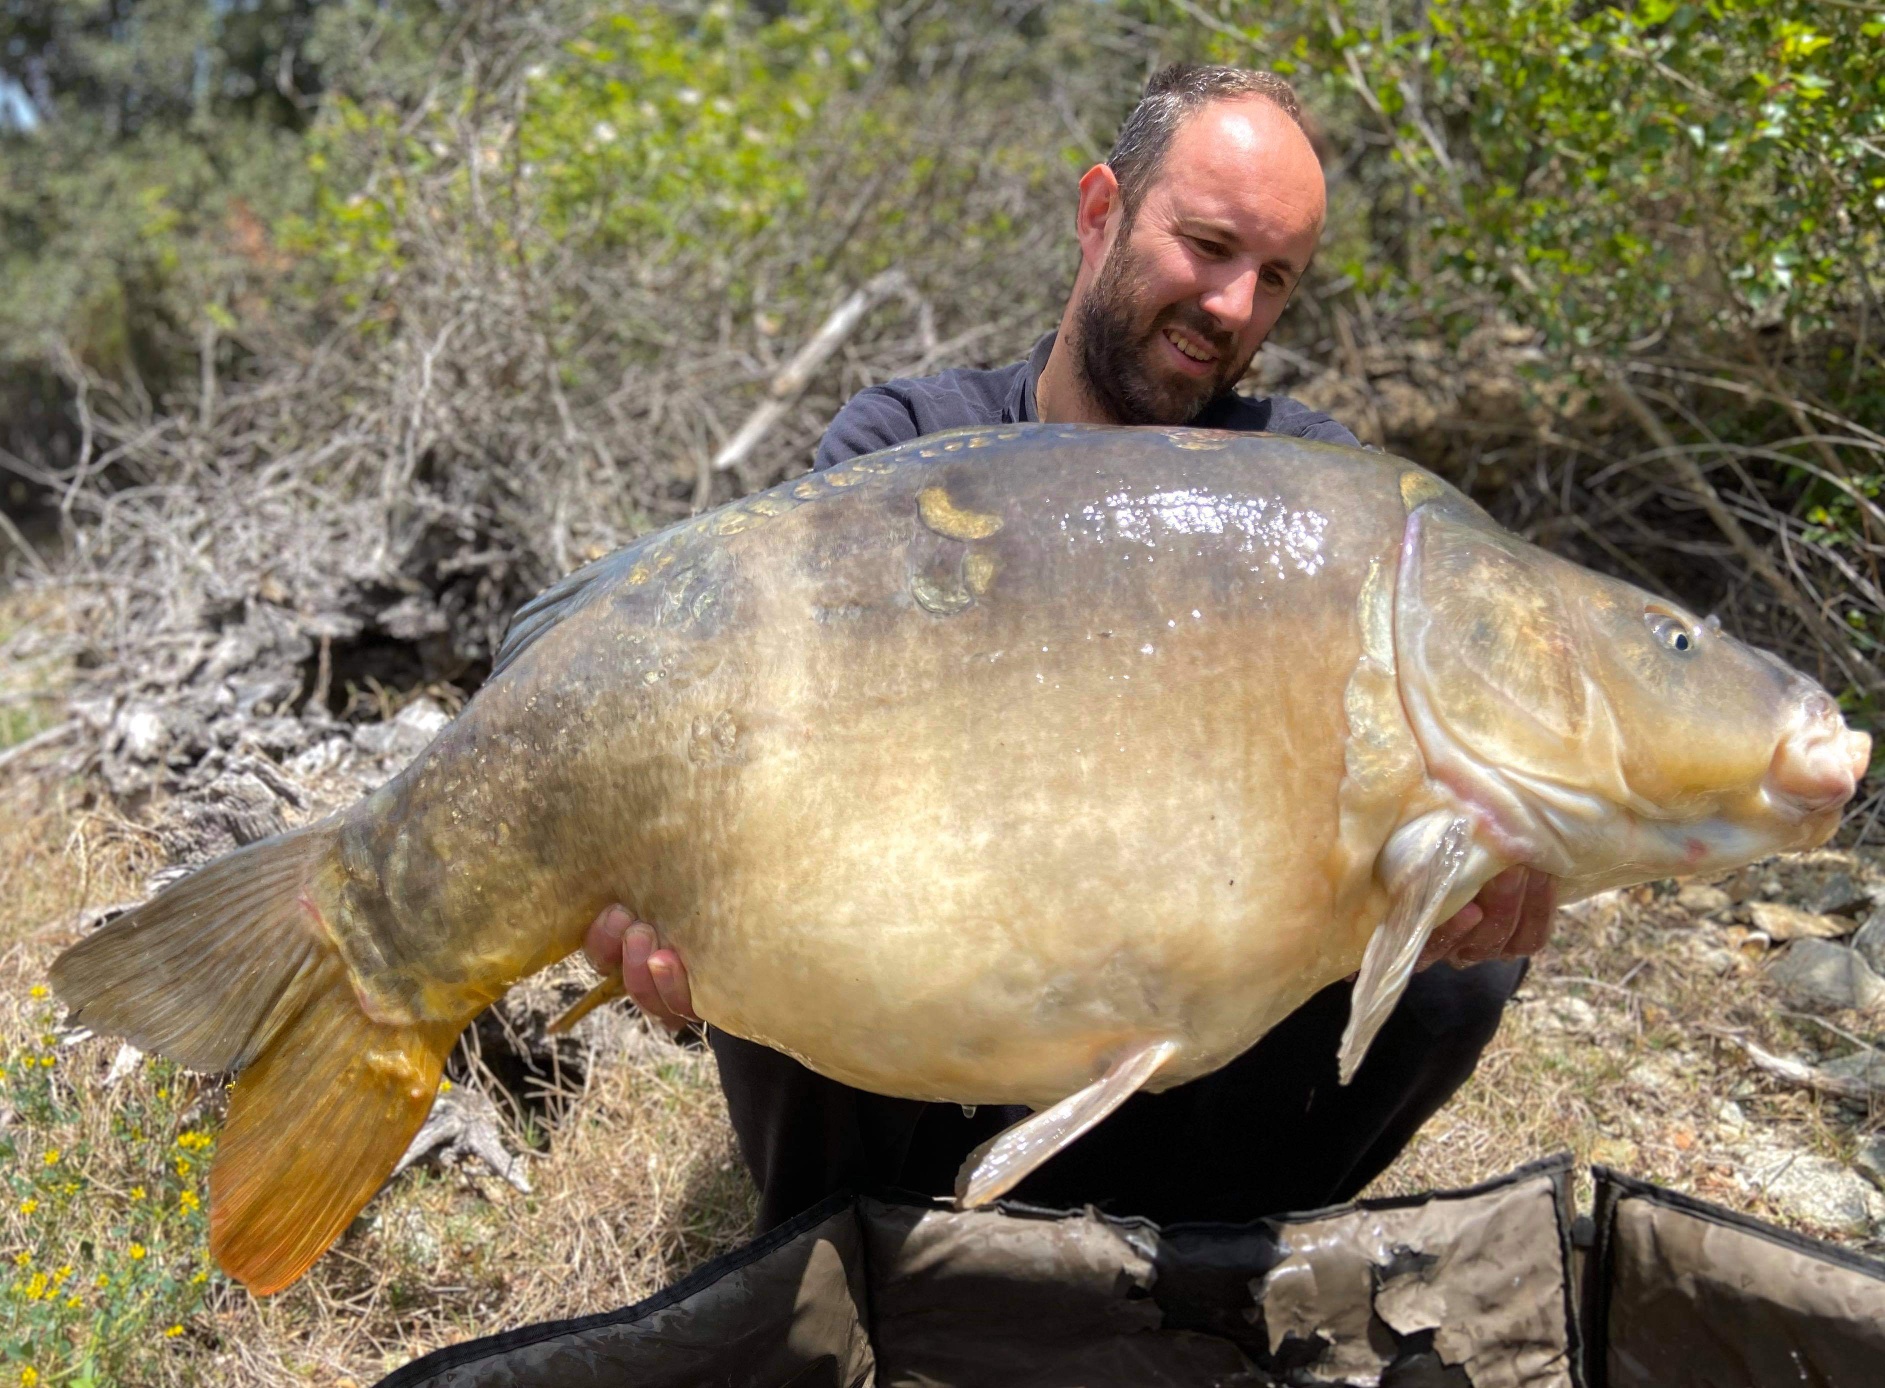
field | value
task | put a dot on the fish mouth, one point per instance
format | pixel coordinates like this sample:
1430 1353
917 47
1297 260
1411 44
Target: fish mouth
1819 761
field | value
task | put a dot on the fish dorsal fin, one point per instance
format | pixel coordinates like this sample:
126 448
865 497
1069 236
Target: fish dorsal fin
564 597
1420 897
1000 1164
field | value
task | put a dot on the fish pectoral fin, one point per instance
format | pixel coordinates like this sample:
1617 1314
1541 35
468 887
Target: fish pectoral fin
998 1165
1395 946
609 988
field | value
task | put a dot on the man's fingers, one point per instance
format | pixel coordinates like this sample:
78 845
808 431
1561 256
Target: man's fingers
671 980
1500 899
1447 935
1535 915
603 943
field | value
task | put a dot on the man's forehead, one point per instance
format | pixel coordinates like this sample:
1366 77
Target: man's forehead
1242 158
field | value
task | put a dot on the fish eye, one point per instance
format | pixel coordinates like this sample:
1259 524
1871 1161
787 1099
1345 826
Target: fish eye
1672 633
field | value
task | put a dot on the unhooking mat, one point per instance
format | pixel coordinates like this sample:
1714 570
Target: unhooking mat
1466 1289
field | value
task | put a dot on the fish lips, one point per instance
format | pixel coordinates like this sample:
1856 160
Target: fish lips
1819 761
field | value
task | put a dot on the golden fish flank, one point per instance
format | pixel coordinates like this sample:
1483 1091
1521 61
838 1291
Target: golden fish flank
870 768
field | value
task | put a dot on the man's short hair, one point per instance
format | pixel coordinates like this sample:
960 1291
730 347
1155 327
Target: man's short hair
1172 96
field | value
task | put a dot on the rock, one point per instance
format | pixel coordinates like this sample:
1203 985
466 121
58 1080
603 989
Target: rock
1779 921
1862 1067
1840 894
139 733
1572 1015
1819 973
1699 900
1870 1163
414 617
1870 941
1810 1187
411 729
320 758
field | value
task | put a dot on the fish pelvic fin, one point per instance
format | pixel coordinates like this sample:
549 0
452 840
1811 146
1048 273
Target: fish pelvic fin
209 970
234 968
1394 949
1001 1163
315 1128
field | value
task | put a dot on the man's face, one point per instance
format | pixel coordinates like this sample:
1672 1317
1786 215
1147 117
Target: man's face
1183 296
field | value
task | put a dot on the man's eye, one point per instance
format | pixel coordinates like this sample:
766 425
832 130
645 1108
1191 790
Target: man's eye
1214 249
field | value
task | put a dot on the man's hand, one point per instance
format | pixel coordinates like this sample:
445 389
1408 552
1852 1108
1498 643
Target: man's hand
655 978
1510 917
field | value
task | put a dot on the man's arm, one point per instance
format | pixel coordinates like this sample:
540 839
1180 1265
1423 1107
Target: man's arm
876 417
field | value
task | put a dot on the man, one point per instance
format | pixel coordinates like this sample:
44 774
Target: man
1193 235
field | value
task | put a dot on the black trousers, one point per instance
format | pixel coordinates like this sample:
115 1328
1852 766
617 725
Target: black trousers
1270 1132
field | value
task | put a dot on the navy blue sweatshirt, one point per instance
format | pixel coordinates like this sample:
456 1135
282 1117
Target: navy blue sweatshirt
898 411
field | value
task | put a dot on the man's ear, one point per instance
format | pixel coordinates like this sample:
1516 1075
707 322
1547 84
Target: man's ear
1097 214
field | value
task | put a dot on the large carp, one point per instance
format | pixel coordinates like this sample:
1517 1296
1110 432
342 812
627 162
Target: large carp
1029 765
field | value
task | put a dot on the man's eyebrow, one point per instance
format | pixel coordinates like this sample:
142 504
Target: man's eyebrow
1223 231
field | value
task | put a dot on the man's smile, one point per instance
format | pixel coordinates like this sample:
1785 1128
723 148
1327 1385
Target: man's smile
1191 354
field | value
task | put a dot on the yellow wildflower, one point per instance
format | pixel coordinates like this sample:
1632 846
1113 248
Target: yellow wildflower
73 1301
49 1061
37 1287
199 1279
52 1157
39 990
28 1376
102 1280
183 1166
20 1260
173 1332
188 1201
445 1086
137 1252
163 1093
137 1192
28 1205
65 1271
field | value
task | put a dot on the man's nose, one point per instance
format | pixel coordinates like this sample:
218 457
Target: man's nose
1231 300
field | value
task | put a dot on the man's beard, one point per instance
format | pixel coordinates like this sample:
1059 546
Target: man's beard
1118 347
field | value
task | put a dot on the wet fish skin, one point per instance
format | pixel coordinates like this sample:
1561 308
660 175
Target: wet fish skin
1010 766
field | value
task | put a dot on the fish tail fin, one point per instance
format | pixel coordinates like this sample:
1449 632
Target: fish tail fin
208 970
233 969
315 1127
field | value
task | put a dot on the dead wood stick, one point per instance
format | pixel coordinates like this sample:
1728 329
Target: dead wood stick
38 740
790 383
1694 481
1811 1076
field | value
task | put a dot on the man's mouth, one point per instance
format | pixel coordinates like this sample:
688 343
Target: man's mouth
1194 353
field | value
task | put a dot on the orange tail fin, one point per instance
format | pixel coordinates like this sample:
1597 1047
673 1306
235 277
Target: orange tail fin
225 971
315 1127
